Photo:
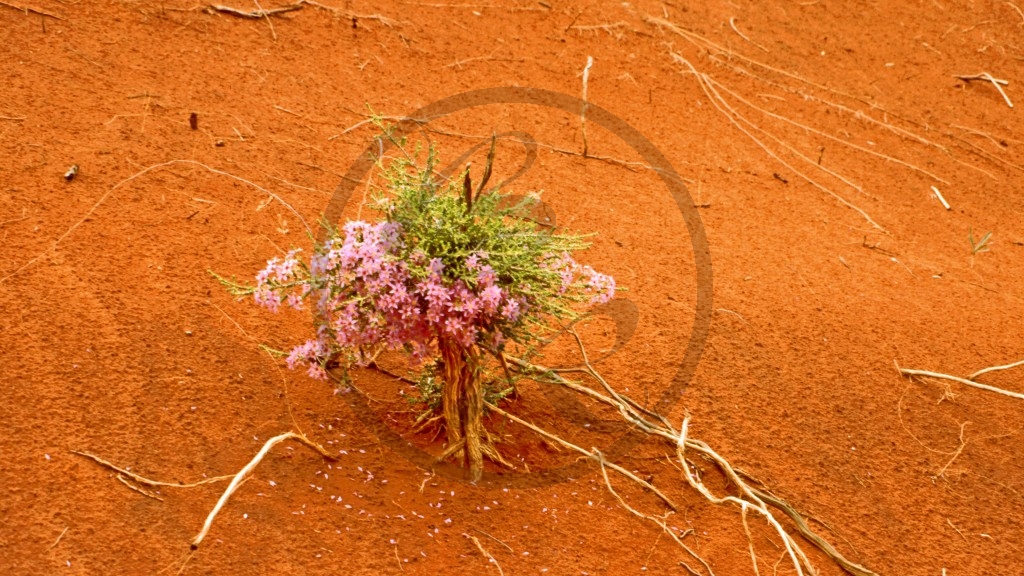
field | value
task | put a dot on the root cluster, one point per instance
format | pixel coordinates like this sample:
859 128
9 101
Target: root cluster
747 496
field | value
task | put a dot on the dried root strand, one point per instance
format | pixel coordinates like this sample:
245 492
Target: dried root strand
258 13
480 547
122 472
969 381
659 520
236 480
586 453
748 499
244 473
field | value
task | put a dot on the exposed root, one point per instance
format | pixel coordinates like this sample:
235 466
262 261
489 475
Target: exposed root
244 472
746 500
994 369
956 453
659 520
138 489
806 532
588 454
258 13
484 551
236 480
969 381
746 497
709 86
146 481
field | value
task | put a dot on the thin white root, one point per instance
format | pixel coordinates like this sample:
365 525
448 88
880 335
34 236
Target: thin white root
660 521
244 472
589 455
969 382
748 497
484 551
750 500
994 369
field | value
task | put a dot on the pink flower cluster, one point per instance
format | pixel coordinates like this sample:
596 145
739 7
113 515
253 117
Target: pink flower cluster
601 287
367 295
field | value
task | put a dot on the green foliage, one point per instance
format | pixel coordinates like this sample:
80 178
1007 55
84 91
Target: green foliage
978 246
526 258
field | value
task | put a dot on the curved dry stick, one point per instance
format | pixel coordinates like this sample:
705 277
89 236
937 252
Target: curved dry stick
244 472
967 382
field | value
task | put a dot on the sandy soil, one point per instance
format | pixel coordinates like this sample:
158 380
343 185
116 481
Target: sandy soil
833 261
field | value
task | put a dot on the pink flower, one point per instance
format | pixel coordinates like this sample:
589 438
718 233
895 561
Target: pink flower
368 290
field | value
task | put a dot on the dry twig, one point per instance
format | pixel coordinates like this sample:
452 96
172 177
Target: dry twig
998 83
244 472
57 541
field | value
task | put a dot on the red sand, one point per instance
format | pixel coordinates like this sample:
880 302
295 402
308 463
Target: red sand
116 340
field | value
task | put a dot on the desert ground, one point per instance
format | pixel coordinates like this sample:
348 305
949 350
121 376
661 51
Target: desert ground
852 175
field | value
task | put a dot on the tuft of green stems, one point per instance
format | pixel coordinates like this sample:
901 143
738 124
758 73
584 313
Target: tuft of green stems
438 222
978 246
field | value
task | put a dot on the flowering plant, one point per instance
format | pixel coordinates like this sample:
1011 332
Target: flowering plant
445 275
